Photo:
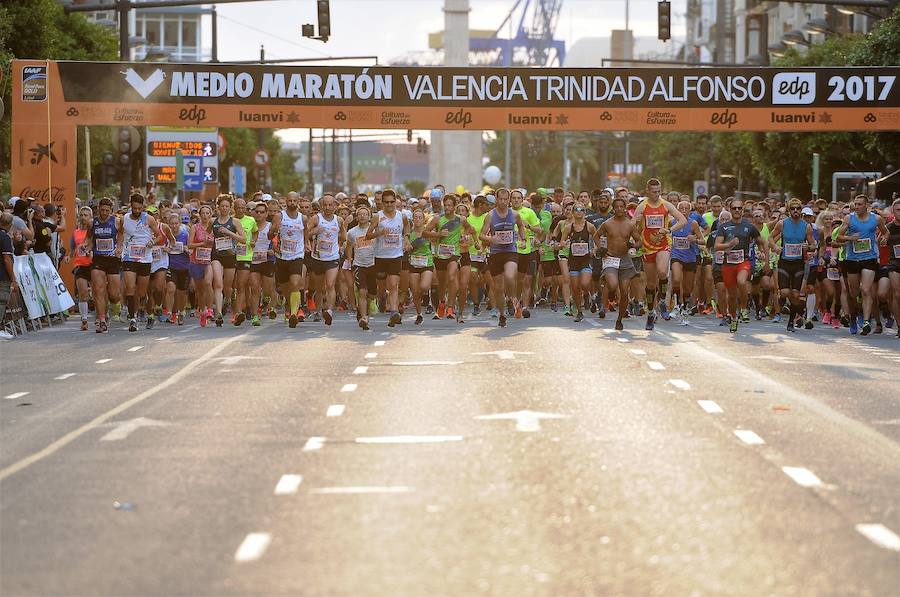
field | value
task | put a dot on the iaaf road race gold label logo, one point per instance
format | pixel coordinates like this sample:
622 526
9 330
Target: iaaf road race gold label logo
34 83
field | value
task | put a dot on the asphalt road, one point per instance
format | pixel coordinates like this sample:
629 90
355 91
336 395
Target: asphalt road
547 458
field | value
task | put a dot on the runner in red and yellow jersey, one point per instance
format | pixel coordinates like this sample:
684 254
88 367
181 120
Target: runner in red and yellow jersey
653 217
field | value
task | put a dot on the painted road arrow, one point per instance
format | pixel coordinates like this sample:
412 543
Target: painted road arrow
503 354
526 420
125 428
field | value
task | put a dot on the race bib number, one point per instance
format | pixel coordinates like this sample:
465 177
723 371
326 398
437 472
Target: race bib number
681 242
611 262
104 245
896 251
346 265
326 246
834 274
579 249
260 256
223 243
177 248
653 221
204 254
240 249
137 251
863 245
391 241
793 250
445 251
602 242
156 253
504 237
288 246
477 258
364 243
82 251
720 257
418 260
735 257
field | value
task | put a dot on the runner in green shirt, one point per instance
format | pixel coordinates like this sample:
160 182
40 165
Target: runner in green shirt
243 258
478 253
528 254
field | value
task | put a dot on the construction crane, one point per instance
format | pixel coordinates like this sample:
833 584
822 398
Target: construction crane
530 44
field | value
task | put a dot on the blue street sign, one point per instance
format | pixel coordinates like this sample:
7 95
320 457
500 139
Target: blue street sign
193 174
237 180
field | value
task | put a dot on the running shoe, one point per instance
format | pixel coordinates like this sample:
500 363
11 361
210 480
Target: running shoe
292 320
301 314
518 312
441 310
675 313
502 321
240 317
854 329
593 305
826 318
310 304
510 310
650 322
601 314
494 313
866 328
553 307
429 309
272 314
255 322
84 325
142 317
203 319
835 323
363 324
220 320
745 316
104 328
476 310
449 312
151 321
579 317
808 325
419 319
317 317
734 325
878 329
327 316
459 318
790 325
526 313
777 318
664 310
859 320
567 311
132 325
889 322
619 325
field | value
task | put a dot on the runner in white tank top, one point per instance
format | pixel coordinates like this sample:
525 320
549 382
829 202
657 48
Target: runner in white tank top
139 231
326 230
289 226
390 228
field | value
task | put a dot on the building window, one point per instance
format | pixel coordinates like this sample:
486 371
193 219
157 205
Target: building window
151 32
189 34
171 32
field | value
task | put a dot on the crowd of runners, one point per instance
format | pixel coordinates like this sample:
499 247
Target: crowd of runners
498 254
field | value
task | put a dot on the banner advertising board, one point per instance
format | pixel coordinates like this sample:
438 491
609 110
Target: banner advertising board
41 286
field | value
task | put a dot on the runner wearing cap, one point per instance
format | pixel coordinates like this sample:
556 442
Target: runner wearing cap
794 233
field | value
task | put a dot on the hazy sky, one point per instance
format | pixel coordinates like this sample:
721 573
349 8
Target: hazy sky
390 28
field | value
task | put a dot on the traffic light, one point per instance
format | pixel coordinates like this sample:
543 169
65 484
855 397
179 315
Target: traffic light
421 146
261 178
664 20
324 12
123 160
409 135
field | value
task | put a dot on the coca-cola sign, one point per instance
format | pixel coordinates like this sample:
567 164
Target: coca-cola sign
52 194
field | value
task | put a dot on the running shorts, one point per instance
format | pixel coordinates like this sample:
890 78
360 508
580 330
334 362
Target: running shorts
790 274
730 272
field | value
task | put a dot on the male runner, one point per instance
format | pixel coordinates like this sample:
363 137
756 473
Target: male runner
734 238
652 215
499 232
390 229
327 235
528 257
137 235
620 233
793 232
290 228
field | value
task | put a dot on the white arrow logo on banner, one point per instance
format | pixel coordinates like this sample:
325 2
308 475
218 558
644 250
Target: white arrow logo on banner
144 87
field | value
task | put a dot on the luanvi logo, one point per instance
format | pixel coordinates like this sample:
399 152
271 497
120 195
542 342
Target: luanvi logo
530 118
143 86
793 88
797 118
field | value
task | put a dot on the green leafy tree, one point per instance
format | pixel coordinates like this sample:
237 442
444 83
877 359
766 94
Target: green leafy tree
41 29
414 187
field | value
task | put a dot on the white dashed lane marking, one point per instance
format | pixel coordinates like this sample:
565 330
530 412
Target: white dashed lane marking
253 547
135 348
880 535
16 395
409 439
65 376
349 387
351 490
379 342
748 437
288 484
102 361
637 351
360 370
313 443
656 365
623 340
680 384
335 410
371 355
710 406
802 476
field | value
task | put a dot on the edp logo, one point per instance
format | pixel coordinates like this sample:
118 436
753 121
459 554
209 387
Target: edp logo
794 88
